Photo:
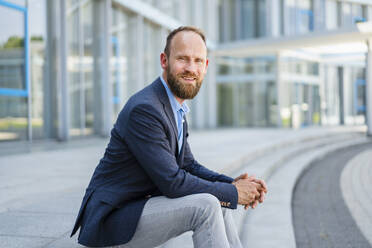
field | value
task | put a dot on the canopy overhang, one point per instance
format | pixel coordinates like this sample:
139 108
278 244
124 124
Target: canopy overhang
358 35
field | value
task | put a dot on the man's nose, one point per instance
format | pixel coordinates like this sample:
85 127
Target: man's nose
191 67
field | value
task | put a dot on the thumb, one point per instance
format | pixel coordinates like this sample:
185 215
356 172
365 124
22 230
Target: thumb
242 176
245 176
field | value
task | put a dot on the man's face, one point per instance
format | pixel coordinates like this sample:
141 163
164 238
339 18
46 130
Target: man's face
187 64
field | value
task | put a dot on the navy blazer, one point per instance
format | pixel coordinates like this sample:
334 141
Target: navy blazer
141 161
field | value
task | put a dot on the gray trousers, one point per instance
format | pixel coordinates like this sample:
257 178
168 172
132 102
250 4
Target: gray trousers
165 218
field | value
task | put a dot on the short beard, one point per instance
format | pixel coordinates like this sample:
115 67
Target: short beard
183 90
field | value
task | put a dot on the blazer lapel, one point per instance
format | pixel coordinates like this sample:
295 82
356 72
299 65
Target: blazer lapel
167 108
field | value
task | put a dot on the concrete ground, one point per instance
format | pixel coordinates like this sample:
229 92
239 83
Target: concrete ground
321 214
42 184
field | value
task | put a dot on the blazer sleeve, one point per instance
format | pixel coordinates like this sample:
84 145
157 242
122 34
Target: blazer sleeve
145 134
192 166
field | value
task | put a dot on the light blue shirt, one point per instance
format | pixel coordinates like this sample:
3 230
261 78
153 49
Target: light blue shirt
179 112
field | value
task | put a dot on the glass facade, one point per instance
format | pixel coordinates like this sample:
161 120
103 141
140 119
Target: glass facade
38 67
80 67
332 14
151 51
101 74
247 94
120 56
13 84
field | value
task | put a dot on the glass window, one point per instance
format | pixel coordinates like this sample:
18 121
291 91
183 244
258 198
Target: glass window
21 3
225 104
12 49
80 68
73 70
368 11
13 103
87 66
246 99
249 66
37 27
358 13
312 68
253 18
248 18
261 18
305 16
228 19
346 15
119 60
290 16
331 14
152 51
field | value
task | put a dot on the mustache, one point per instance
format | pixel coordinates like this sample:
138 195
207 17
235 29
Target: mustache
189 75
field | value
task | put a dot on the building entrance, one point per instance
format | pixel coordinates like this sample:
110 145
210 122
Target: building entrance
305 107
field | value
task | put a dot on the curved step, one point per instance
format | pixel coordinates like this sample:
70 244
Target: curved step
274 217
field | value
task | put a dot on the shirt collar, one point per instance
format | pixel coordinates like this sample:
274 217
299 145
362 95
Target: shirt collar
176 106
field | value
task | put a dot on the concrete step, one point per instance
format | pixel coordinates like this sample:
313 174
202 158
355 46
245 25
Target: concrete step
274 217
268 164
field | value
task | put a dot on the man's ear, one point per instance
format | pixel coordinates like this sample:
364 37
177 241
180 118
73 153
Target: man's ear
163 61
206 66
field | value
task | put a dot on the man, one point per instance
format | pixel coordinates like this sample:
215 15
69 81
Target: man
147 187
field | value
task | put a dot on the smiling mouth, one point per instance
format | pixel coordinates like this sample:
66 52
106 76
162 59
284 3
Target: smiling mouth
189 79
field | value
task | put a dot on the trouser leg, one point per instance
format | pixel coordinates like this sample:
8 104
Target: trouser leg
164 218
230 227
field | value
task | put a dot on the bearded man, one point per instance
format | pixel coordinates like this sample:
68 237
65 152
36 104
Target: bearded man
148 188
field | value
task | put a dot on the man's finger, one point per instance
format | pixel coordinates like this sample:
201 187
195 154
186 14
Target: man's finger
262 183
262 197
254 204
258 186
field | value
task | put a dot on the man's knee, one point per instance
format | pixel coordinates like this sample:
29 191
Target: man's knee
208 201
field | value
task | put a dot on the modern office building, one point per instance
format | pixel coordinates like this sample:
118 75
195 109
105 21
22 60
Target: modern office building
278 83
67 67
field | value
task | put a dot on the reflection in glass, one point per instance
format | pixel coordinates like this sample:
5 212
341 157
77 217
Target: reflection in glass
80 68
119 59
87 66
331 14
225 104
21 3
73 70
11 49
13 107
246 104
152 50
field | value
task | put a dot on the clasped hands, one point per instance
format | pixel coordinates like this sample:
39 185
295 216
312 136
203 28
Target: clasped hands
251 190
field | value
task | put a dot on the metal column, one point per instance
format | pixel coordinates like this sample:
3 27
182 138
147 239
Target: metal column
103 109
56 93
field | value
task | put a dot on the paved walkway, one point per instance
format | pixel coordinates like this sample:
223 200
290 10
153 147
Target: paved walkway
41 191
356 185
320 214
